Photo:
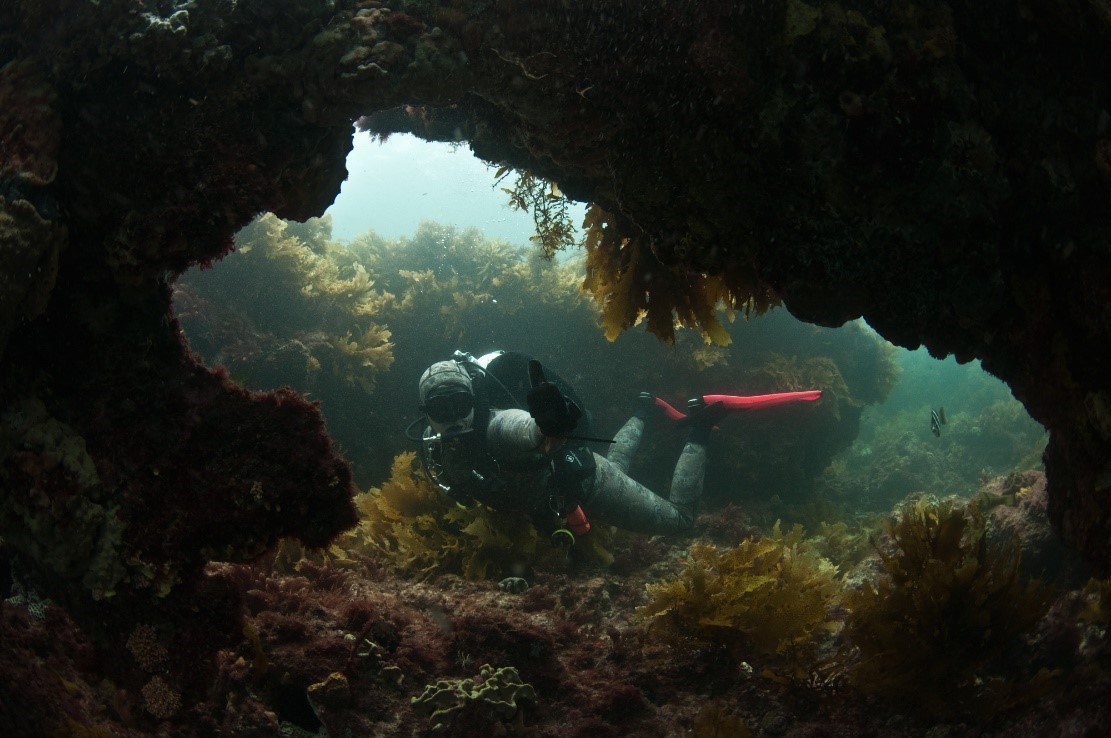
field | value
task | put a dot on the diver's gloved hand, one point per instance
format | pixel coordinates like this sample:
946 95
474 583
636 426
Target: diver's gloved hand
701 419
553 412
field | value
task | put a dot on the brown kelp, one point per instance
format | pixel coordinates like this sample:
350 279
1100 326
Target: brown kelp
769 595
936 627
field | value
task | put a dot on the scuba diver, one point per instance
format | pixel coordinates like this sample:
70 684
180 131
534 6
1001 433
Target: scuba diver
479 444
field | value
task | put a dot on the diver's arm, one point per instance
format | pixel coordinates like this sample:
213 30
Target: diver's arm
514 431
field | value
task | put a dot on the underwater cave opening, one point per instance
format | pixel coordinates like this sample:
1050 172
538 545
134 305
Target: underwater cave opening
394 184
944 427
421 254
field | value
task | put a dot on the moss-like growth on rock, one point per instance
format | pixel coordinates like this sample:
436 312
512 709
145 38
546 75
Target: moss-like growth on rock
493 699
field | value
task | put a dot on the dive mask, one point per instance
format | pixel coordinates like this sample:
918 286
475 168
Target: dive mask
449 407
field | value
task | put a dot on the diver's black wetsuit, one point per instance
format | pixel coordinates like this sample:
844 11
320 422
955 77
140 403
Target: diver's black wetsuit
626 503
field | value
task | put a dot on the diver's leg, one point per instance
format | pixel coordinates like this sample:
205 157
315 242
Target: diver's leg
627 440
626 443
687 479
617 499
622 501
690 470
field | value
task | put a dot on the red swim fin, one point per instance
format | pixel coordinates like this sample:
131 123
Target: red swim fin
738 402
741 402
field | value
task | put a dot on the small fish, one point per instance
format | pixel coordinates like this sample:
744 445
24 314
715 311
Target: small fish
937 419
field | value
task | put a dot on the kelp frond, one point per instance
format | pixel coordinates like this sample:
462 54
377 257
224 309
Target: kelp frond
547 205
630 283
771 595
948 607
422 532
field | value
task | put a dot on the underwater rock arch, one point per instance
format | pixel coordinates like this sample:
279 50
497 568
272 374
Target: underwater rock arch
939 168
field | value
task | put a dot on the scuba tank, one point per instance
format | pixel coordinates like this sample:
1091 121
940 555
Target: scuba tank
507 382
